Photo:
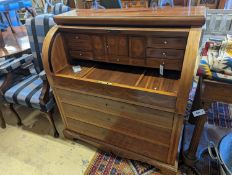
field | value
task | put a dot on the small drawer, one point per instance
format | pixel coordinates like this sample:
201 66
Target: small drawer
81 46
169 64
81 55
77 37
165 53
172 43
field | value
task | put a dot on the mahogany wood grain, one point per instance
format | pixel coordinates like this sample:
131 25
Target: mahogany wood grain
51 47
118 124
120 140
212 91
14 43
166 100
163 168
107 101
123 109
188 70
168 43
157 31
167 16
123 47
170 64
165 53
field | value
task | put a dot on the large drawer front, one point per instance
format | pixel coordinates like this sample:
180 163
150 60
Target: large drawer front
121 132
139 113
125 94
117 139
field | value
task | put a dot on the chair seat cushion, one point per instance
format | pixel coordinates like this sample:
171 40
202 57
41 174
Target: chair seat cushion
27 93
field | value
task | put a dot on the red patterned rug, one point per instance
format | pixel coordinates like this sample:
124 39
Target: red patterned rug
110 164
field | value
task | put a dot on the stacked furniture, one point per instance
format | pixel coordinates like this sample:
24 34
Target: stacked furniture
214 85
121 78
8 9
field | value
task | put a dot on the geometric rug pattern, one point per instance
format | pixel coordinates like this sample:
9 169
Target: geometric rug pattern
109 164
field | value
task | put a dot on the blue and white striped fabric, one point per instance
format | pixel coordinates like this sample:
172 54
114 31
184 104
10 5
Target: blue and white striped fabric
60 8
37 29
27 93
11 64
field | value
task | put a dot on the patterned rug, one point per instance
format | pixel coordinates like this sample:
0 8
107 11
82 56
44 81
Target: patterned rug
109 164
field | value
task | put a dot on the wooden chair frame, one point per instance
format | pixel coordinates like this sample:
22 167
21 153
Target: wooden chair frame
44 98
208 91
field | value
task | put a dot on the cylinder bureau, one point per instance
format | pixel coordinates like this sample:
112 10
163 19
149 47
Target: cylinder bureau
122 77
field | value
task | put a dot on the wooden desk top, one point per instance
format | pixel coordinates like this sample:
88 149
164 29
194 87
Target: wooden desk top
15 43
167 16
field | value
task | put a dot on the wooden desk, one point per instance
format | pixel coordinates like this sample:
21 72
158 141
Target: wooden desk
118 101
14 43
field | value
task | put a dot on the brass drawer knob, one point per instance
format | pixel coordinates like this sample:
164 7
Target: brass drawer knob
80 54
165 42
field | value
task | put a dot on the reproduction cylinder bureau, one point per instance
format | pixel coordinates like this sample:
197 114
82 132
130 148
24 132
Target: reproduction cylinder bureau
122 77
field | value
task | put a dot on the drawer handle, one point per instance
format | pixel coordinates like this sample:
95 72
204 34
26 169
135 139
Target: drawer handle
107 46
117 59
165 42
164 54
80 54
77 37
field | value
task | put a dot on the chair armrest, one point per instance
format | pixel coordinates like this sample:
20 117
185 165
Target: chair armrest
45 94
43 76
12 64
6 81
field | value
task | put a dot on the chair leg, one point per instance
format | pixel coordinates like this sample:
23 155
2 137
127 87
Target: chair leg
3 123
19 123
51 121
9 21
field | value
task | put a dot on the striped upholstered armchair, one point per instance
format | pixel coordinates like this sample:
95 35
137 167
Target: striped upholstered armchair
34 91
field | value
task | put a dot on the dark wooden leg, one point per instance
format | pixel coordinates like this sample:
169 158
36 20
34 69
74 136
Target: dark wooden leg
71 4
9 21
51 121
31 11
189 157
3 123
197 103
19 123
2 43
